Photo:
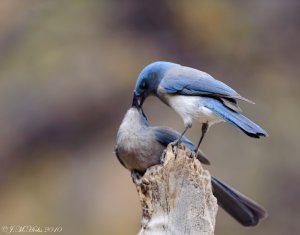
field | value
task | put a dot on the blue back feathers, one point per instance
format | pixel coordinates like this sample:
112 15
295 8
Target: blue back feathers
197 85
188 81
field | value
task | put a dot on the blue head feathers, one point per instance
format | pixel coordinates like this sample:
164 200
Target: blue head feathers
150 78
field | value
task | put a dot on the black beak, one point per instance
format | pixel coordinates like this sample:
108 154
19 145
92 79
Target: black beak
137 104
138 100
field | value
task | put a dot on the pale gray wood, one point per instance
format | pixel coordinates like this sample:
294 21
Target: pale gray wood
177 197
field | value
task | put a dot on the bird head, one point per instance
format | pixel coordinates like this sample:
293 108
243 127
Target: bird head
149 79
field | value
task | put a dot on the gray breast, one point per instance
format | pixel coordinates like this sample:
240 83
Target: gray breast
139 151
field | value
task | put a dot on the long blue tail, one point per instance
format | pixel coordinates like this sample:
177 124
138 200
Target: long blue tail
240 207
235 118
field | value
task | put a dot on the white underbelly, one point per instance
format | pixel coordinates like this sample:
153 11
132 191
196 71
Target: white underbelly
189 108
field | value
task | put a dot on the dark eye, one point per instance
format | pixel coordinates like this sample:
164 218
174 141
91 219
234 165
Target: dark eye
143 85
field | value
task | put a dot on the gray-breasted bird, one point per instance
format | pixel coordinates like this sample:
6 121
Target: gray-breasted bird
140 145
194 94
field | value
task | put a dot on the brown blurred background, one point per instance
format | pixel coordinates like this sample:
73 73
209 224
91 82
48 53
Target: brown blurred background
68 69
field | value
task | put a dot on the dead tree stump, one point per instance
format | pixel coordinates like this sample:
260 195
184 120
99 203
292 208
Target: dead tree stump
177 197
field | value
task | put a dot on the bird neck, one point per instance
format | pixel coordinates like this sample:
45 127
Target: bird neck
133 120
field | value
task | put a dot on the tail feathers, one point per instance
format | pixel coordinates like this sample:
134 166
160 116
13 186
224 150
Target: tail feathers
243 209
235 118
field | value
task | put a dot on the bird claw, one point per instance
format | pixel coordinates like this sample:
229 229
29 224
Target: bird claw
162 157
193 154
175 145
175 150
135 175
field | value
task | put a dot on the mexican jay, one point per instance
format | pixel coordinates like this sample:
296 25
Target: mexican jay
194 94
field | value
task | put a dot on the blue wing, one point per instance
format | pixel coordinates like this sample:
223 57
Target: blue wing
235 118
165 136
191 82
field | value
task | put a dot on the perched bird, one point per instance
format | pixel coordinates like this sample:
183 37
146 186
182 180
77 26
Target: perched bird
194 94
137 141
140 145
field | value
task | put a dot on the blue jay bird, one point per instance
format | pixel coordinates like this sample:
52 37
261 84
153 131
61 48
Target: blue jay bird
194 94
140 146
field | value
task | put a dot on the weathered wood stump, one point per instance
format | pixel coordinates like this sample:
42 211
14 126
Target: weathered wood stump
177 197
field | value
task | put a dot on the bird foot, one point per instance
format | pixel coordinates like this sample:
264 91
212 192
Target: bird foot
175 145
162 157
135 175
175 150
192 154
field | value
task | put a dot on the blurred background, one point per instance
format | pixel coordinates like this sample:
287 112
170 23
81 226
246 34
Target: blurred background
67 72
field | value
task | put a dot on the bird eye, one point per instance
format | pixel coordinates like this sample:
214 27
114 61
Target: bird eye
144 85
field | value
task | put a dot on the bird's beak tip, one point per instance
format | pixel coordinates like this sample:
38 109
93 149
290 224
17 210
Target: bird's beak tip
137 100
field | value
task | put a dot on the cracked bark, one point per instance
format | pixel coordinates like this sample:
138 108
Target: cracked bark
176 197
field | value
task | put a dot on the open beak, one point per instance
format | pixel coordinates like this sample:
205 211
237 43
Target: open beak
137 103
138 100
